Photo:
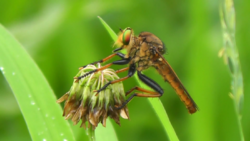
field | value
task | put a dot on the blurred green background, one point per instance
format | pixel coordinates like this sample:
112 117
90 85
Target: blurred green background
64 35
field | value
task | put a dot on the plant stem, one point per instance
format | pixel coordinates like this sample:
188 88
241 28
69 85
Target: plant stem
231 57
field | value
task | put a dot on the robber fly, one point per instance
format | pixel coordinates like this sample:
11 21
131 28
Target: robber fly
143 52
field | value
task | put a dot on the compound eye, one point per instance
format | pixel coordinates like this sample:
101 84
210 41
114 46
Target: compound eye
126 36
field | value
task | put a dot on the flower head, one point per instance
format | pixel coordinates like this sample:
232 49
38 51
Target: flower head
83 103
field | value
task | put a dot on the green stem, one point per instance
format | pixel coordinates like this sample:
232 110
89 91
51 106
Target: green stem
231 56
91 133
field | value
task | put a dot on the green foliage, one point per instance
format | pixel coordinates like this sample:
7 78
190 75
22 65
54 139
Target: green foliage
33 94
63 35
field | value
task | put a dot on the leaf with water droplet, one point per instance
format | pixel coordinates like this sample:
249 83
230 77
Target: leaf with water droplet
30 86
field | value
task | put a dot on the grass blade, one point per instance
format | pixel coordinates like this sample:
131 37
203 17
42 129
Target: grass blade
110 31
35 98
231 57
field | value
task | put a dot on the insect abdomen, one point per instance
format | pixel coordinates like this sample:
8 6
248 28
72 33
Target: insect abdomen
169 75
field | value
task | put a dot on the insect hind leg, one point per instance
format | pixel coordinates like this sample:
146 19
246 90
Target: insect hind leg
148 94
149 82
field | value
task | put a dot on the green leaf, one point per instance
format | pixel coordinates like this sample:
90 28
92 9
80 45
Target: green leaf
110 31
35 98
156 104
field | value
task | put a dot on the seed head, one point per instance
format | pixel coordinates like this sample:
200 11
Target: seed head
83 103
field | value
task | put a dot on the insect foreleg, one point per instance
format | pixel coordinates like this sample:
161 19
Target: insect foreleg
118 49
118 62
121 55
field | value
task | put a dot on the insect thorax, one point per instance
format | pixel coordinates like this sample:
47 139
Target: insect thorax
144 49
141 56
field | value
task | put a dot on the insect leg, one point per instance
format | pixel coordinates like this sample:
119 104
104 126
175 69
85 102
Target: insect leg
131 72
118 49
149 94
121 55
118 62
142 90
151 83
122 70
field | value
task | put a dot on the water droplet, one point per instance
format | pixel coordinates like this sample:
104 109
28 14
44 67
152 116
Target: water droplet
32 103
13 73
61 134
46 115
44 139
29 96
65 140
1 68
